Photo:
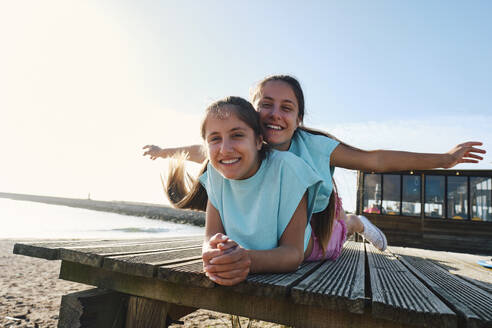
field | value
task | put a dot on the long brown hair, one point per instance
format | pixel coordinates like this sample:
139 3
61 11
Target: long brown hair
322 222
182 190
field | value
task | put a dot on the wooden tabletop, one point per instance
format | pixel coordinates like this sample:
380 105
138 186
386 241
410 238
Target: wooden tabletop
401 287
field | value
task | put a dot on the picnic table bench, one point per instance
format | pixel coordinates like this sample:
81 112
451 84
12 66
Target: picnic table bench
148 282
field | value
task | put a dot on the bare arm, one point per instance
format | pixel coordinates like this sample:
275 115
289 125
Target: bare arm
214 230
390 160
216 244
284 258
195 152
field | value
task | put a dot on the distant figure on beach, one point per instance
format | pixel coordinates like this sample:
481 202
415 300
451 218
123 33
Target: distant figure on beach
280 102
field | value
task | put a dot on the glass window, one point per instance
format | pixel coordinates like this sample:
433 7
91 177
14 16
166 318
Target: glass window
480 194
411 195
391 194
434 196
457 198
372 193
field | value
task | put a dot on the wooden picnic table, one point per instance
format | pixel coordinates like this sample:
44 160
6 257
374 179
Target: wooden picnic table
145 282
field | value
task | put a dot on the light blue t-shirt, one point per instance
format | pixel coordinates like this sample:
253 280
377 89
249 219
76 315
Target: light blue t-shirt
316 150
256 211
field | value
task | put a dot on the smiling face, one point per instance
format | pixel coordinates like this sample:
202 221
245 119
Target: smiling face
279 113
232 146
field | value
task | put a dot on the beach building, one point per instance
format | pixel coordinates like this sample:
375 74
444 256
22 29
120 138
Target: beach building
435 209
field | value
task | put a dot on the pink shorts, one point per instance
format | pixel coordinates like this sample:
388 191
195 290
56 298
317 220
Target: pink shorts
334 248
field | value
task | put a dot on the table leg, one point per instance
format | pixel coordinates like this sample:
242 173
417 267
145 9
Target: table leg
93 308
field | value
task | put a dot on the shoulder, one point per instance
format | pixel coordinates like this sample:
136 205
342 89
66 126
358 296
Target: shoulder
305 134
279 157
314 141
286 161
210 176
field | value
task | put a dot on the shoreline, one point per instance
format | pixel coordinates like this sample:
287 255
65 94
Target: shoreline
151 211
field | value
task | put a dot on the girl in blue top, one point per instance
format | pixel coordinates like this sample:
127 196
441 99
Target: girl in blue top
279 100
261 199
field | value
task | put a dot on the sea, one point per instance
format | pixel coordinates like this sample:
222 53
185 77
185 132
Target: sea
32 220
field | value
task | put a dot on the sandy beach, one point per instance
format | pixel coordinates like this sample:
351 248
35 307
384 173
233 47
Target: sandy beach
30 289
30 294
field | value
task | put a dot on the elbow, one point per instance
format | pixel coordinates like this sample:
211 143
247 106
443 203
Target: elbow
298 263
377 163
295 261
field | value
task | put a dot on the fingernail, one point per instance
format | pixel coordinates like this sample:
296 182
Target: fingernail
223 237
212 261
212 278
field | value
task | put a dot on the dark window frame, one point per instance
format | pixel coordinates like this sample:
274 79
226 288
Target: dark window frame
445 198
467 196
469 187
364 191
411 173
382 192
422 173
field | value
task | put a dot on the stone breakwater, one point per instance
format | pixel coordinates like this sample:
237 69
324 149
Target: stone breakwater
152 211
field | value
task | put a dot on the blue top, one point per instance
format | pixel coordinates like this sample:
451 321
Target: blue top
256 211
315 150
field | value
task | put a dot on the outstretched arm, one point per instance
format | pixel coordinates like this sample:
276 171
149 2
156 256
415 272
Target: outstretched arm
389 160
195 152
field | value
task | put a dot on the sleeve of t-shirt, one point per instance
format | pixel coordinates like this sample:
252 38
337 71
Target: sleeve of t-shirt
296 178
210 181
326 145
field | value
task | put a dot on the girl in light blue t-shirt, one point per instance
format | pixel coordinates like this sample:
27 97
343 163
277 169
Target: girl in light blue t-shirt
259 201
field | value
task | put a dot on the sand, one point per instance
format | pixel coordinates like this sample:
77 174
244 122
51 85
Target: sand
30 294
30 291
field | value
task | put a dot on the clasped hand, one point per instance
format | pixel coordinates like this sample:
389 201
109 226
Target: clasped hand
224 261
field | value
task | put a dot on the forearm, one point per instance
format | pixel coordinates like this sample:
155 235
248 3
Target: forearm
280 259
195 153
390 160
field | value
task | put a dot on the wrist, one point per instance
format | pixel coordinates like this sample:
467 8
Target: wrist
163 153
447 161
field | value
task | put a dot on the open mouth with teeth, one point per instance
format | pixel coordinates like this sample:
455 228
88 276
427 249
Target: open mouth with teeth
229 161
274 127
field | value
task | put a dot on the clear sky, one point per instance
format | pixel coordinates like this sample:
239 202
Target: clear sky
85 84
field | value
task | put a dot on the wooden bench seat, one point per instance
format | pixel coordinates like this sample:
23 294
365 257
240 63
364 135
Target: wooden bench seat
473 303
363 288
400 296
338 285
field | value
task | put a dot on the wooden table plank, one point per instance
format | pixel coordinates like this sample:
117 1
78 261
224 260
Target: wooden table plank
469 301
266 284
462 265
50 250
146 264
190 273
398 295
338 285
275 284
94 256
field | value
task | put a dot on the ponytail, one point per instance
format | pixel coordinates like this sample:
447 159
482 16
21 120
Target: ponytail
182 190
322 222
